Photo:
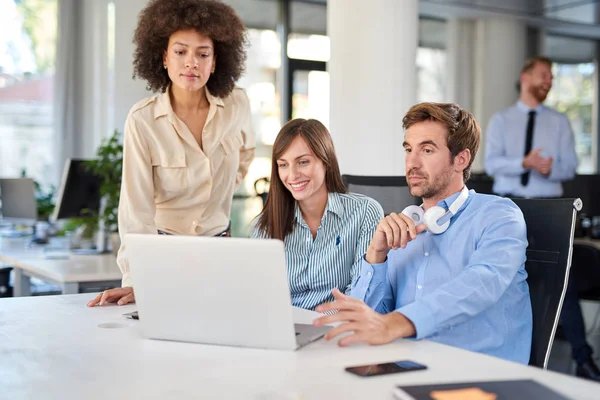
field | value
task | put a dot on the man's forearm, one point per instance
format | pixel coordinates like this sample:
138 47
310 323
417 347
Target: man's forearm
399 326
375 257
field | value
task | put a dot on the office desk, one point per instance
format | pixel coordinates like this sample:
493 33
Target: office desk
54 347
73 275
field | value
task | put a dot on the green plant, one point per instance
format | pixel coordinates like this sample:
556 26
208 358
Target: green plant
88 224
44 201
108 166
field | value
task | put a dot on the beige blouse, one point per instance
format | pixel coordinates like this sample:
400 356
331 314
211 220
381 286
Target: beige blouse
170 183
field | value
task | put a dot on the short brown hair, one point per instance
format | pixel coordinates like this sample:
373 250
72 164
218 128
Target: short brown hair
161 18
277 217
533 61
463 130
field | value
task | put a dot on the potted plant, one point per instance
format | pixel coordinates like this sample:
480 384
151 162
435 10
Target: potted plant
109 166
44 201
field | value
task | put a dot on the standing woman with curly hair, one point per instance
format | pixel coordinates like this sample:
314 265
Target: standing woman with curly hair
186 149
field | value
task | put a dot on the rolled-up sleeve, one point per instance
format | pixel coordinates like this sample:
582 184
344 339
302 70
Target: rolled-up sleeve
248 149
373 286
136 204
373 214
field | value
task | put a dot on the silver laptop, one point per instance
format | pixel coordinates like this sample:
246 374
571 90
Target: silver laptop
225 291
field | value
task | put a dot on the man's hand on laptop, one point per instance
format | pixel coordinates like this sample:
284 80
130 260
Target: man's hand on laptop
365 324
121 296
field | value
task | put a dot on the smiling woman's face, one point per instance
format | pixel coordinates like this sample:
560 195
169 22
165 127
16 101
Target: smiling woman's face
190 59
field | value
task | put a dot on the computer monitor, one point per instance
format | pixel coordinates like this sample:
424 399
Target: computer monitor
79 191
18 201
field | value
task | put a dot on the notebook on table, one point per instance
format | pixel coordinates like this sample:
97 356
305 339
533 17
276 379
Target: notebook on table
494 390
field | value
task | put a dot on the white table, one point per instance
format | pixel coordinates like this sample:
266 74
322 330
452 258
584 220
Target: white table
54 347
73 274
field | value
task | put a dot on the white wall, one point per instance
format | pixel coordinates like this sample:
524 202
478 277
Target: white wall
92 118
500 51
127 91
373 81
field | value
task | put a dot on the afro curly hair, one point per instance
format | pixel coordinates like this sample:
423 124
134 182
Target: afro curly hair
161 18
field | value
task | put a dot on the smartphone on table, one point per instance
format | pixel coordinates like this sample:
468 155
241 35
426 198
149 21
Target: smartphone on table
386 368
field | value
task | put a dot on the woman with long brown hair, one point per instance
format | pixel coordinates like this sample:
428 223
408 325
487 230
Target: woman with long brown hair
325 229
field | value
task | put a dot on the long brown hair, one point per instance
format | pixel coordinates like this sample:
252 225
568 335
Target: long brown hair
277 217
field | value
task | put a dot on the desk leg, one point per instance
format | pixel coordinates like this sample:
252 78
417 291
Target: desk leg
22 283
70 288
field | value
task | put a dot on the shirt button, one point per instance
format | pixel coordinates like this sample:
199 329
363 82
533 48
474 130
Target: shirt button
426 254
369 273
420 287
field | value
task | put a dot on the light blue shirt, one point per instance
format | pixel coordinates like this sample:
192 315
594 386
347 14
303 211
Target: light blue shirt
333 258
505 150
465 287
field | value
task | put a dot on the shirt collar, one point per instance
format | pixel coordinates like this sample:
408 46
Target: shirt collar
525 108
334 204
445 204
164 107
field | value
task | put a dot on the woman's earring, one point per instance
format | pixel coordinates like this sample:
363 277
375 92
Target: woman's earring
165 66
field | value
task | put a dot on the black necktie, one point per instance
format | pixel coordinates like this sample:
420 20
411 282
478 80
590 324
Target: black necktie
528 143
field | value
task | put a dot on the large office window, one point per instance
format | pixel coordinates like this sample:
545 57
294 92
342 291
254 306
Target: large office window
431 60
573 92
27 61
431 74
310 86
260 82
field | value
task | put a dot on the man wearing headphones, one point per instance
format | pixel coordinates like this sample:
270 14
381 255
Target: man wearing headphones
452 270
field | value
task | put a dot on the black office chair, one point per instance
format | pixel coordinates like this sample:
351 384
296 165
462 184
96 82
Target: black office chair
550 229
390 191
261 187
585 271
5 289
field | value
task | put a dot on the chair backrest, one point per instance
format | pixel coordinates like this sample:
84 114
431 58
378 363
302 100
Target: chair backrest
585 187
390 191
550 229
481 183
585 270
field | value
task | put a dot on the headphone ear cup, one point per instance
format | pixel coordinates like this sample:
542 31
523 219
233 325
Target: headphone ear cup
415 213
431 216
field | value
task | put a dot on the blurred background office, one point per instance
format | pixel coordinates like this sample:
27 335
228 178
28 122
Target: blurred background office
356 65
65 73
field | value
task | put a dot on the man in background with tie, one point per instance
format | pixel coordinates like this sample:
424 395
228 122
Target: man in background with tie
530 150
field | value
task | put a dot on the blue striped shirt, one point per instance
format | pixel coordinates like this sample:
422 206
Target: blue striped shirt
333 258
465 287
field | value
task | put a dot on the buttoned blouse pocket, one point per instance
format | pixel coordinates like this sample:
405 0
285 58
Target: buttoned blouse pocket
228 155
170 176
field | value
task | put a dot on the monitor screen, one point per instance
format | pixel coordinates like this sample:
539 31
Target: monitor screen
79 191
18 200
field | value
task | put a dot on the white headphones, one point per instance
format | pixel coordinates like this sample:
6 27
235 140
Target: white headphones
437 219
